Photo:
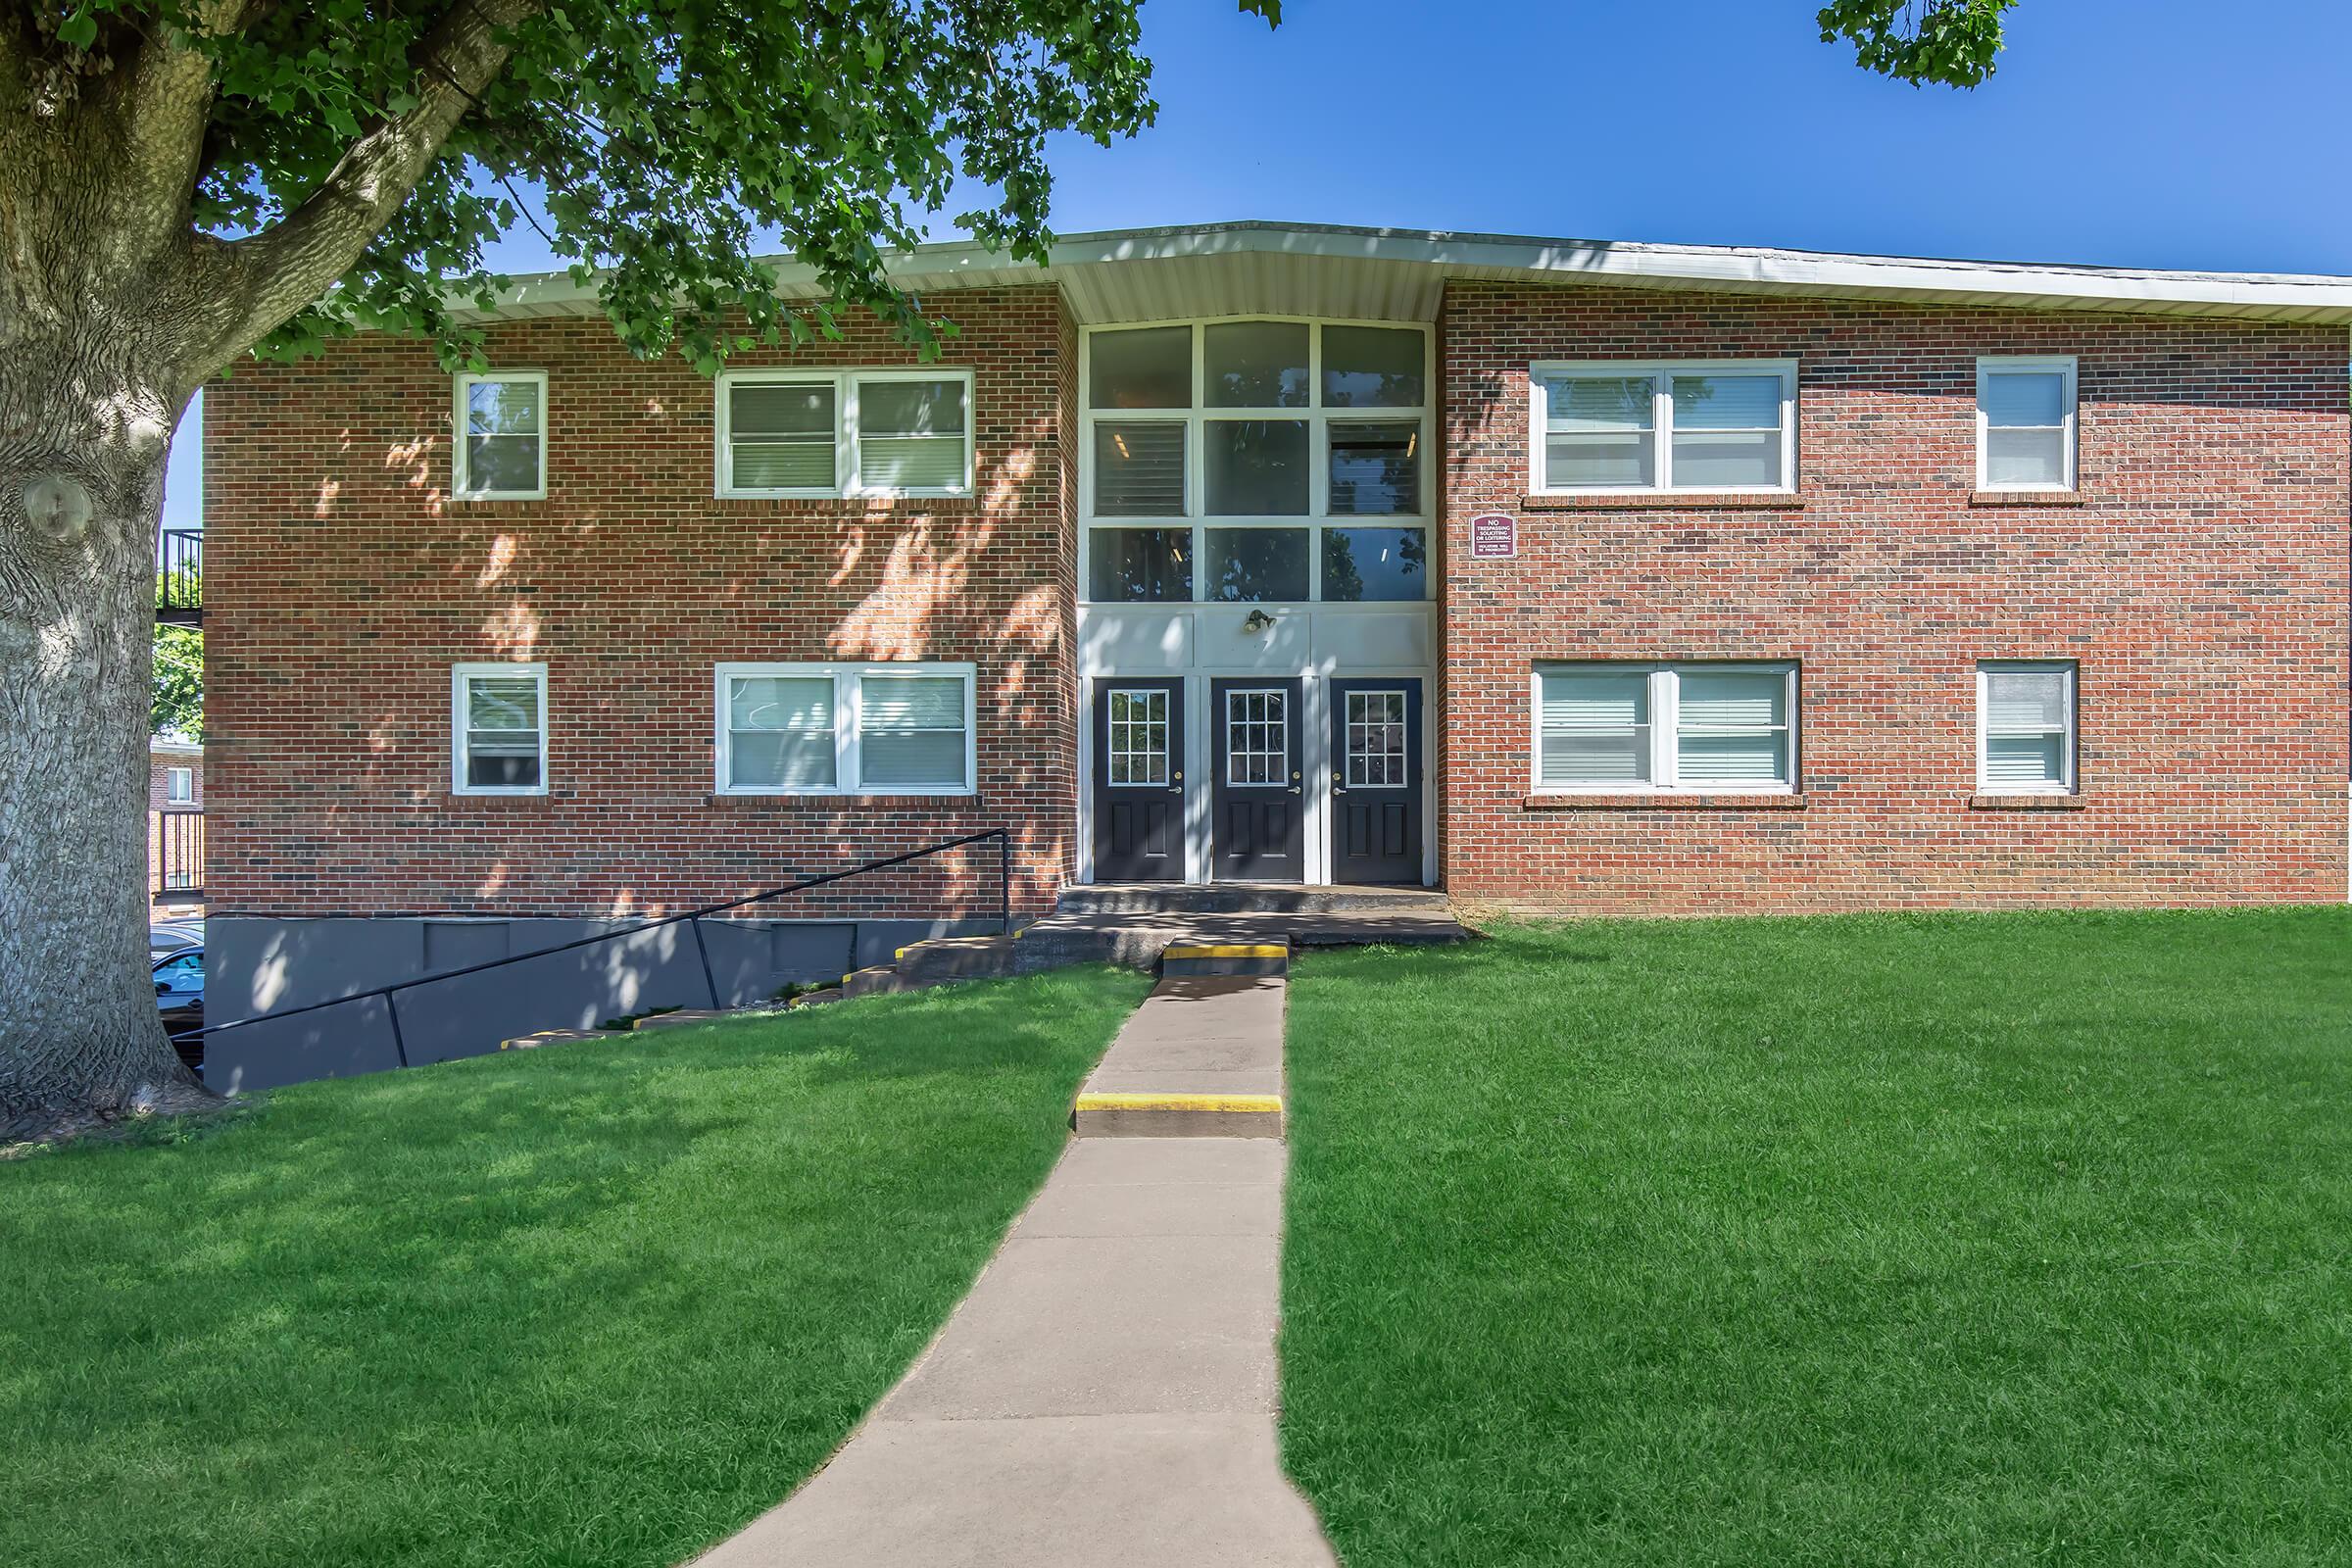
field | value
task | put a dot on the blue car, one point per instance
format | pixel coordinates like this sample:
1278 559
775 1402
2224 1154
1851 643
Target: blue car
179 999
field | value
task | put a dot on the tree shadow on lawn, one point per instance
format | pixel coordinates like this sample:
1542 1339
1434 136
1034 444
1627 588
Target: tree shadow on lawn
599 1302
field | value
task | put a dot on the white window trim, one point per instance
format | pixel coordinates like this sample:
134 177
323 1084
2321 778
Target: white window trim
1318 416
1662 372
847 682
180 786
2064 364
2072 671
1665 715
844 383
459 675
460 480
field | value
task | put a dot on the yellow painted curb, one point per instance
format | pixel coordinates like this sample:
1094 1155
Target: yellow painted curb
1227 950
1264 1104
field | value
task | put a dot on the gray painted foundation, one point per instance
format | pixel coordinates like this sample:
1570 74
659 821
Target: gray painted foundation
256 966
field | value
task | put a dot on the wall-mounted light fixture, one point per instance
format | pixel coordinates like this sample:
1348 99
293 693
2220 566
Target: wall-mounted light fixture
1258 621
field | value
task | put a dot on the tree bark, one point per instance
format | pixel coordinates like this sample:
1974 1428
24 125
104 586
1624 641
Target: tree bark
83 440
112 312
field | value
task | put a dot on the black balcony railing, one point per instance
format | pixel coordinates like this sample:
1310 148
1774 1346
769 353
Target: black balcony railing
179 577
176 853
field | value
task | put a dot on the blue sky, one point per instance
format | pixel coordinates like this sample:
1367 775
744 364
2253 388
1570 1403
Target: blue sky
2127 132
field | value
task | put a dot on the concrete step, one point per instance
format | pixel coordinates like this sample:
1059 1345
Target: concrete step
1225 957
1156 1113
1241 897
956 959
680 1015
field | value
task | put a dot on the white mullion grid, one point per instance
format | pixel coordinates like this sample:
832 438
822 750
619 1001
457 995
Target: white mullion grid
1319 464
1195 458
845 719
1665 729
1315 416
1661 425
847 477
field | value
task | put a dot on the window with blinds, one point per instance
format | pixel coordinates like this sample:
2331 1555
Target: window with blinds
1612 427
498 720
781 733
783 435
913 437
2026 728
912 731
844 729
1139 469
1702 729
845 433
501 450
2025 423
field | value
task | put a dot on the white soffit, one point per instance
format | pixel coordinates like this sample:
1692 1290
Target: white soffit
1389 275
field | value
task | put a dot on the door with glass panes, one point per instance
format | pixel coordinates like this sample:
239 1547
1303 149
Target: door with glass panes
1375 761
1257 795
1139 781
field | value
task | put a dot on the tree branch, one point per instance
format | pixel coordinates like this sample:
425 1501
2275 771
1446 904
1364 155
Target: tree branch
292 263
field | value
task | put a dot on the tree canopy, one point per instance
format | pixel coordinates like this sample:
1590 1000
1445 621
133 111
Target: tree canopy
669 143
1953 42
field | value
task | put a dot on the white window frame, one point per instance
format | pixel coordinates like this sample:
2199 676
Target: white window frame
180 786
2071 735
2062 364
1662 374
847 696
462 485
1318 416
845 383
459 677
1665 725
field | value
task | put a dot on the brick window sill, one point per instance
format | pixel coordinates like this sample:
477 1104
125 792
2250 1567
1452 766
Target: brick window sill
1667 501
1663 801
846 506
851 803
2028 498
2026 802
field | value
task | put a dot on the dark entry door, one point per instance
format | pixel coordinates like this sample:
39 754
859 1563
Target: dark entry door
1259 831
1139 781
1376 781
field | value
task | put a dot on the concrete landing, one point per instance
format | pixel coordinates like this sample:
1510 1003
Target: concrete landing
1104 1396
1201 1059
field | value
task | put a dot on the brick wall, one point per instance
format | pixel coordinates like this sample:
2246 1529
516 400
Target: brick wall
344 583
2200 580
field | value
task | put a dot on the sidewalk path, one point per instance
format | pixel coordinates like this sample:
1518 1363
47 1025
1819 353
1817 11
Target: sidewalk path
1105 1395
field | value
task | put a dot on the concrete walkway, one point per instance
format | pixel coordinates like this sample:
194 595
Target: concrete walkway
1105 1395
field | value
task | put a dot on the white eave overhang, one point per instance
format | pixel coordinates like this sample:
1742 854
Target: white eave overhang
1159 274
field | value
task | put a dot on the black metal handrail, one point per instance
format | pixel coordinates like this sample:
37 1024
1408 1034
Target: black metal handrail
391 993
179 573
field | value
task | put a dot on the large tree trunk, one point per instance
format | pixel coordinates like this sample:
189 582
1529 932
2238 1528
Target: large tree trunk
113 309
83 440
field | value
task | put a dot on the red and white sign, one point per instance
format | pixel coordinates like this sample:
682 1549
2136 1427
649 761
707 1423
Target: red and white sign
1493 537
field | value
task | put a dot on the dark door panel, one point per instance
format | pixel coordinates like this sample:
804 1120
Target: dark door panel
1376 781
1257 789
1139 781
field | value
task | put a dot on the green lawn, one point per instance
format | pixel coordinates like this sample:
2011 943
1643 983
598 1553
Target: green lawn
1959 1239
596 1304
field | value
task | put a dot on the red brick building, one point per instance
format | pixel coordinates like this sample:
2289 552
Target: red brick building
1587 577
175 823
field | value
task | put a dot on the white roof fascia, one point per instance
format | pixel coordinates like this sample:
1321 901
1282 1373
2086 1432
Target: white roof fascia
1501 257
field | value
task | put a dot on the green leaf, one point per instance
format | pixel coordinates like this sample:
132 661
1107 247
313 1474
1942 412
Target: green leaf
79 28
